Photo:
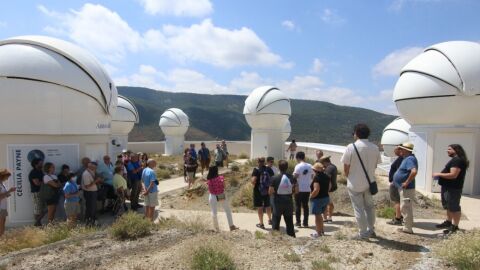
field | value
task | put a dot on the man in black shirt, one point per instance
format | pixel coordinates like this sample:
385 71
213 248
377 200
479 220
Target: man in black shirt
451 179
282 188
35 177
394 193
261 182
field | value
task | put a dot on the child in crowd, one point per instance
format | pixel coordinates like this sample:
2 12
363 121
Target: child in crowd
72 200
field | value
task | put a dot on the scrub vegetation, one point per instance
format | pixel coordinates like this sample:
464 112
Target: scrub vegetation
131 226
461 249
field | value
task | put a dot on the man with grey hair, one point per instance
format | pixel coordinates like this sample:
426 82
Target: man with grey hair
149 187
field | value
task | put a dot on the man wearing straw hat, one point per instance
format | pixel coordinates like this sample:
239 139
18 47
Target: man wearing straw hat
404 180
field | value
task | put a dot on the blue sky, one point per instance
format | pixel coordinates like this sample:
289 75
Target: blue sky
345 52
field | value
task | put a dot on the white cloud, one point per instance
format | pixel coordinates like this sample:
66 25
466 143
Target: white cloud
97 29
317 66
213 45
398 5
392 64
247 82
176 80
185 8
289 25
331 16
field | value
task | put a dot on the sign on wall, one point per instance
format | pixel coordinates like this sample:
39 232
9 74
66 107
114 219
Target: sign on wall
19 159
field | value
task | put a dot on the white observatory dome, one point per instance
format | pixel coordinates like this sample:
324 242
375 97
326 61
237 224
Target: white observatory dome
441 86
394 134
174 122
53 87
267 108
125 117
287 129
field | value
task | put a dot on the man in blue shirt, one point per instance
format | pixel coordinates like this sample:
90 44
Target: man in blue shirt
150 190
193 152
404 180
134 173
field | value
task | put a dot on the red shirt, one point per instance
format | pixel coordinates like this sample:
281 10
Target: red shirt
215 185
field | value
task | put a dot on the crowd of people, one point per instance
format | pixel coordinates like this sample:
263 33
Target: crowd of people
106 185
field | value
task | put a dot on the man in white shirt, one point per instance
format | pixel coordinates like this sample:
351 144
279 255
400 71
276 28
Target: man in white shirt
357 183
303 173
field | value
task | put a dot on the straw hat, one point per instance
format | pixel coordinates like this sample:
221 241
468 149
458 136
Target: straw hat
318 167
5 172
322 159
406 146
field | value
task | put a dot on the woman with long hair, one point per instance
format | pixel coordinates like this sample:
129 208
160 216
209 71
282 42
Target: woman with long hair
216 188
52 181
452 178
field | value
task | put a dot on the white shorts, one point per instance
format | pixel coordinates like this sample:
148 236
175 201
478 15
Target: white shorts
151 200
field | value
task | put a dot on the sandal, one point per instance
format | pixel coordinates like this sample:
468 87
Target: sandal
261 226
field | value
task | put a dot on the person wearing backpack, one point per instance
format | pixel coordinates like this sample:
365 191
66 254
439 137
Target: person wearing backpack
319 197
282 187
261 179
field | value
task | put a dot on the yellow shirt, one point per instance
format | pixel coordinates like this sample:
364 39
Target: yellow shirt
119 181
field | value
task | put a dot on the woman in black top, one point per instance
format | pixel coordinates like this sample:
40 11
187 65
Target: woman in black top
319 197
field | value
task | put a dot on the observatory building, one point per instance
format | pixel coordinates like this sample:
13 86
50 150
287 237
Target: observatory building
394 134
123 121
57 102
287 129
438 93
267 110
174 124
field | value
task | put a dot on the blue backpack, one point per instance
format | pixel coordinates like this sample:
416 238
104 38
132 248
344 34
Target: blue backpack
264 183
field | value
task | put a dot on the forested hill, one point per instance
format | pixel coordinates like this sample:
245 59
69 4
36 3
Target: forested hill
220 117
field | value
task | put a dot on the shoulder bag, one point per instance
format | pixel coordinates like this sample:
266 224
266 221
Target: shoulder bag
372 185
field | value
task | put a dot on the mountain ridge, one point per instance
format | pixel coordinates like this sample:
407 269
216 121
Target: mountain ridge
214 117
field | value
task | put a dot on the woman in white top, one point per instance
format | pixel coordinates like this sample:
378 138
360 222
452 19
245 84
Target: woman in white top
4 194
51 180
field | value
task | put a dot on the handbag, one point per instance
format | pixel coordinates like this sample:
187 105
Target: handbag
221 197
372 185
46 192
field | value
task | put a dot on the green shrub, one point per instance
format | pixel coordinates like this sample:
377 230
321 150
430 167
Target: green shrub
211 257
461 249
321 265
325 249
259 235
131 226
386 212
164 173
244 197
234 167
243 156
195 224
292 257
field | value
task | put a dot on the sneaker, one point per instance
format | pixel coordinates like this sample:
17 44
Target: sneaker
395 221
445 224
305 225
298 225
329 221
233 228
314 235
453 229
372 235
261 226
270 222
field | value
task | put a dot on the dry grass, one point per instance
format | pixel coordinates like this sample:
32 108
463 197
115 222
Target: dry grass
244 197
321 265
292 257
194 224
31 237
208 253
462 250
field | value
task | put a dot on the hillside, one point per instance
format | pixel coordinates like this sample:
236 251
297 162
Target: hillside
220 116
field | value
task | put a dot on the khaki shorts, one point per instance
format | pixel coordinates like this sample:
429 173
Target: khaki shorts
3 213
151 200
191 175
38 204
